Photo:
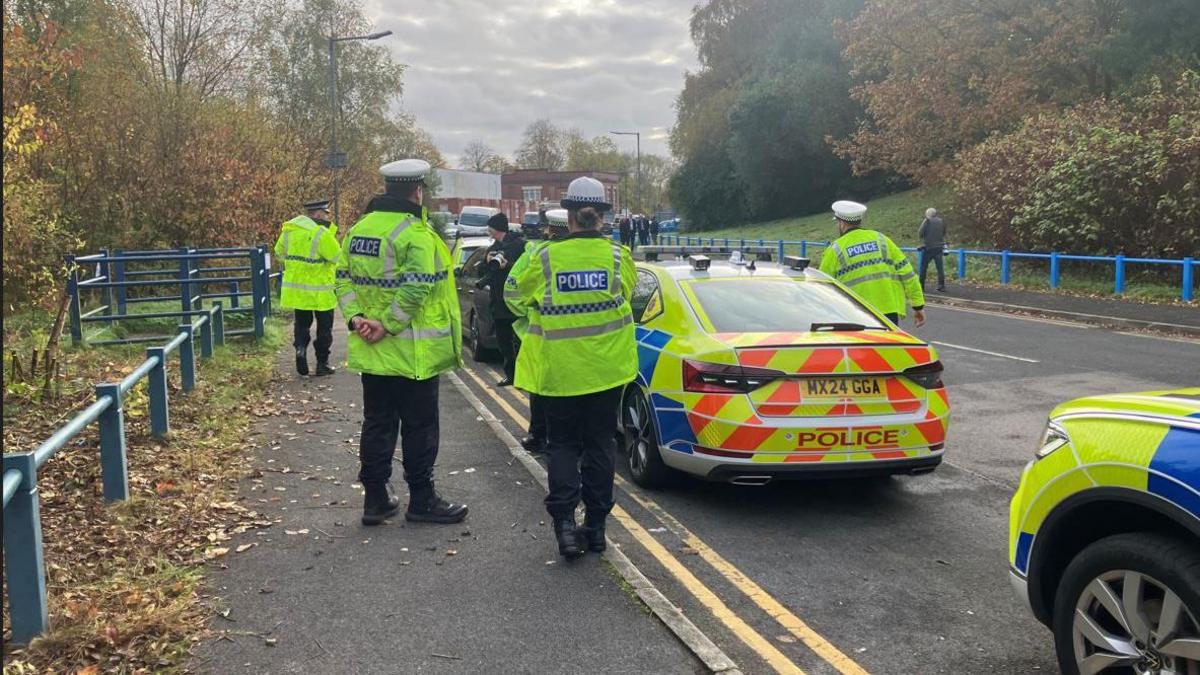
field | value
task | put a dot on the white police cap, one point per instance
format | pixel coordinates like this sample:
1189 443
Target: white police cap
405 171
585 191
557 217
851 212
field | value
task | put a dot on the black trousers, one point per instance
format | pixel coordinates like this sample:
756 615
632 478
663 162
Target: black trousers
537 417
893 316
582 452
301 336
938 258
507 343
397 407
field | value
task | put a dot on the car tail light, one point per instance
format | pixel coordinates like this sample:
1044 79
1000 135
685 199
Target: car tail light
716 378
928 375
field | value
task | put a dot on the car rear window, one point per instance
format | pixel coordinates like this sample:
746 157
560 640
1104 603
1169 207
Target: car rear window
473 219
778 305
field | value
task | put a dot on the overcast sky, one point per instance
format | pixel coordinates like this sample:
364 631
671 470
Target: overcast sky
484 69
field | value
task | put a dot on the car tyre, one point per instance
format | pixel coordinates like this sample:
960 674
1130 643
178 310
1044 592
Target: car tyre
1148 572
640 440
479 353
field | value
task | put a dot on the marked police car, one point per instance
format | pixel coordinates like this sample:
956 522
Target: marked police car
1104 533
752 371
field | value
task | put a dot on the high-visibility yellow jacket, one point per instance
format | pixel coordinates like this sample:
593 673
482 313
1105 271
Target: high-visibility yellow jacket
309 254
871 265
395 269
575 293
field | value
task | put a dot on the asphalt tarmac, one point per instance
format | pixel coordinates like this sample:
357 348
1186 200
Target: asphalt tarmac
898 575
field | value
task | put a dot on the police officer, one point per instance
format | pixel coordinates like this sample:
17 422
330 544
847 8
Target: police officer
507 247
308 249
556 228
578 356
872 265
396 285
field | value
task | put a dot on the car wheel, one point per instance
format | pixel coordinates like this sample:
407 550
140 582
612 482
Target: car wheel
474 342
1129 603
640 436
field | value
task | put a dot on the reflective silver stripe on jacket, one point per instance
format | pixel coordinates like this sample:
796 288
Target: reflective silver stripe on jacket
581 332
424 333
399 314
316 241
345 299
841 255
869 277
306 287
548 299
616 289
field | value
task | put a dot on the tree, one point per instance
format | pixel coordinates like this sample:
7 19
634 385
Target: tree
542 147
598 154
476 156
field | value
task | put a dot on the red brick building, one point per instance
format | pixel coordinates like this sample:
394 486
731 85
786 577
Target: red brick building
524 189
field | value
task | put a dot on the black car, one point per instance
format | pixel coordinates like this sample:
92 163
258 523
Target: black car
479 332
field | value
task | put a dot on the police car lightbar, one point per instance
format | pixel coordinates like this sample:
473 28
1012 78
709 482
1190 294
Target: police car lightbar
796 262
653 253
699 262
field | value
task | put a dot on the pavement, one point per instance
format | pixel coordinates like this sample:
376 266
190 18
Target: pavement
899 575
1177 317
318 592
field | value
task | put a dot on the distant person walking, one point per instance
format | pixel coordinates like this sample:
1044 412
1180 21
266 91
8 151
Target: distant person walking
871 264
932 234
626 231
654 230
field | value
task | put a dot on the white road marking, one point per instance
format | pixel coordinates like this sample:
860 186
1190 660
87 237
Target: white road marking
1186 341
984 351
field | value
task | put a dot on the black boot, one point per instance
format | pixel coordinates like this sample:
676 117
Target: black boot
323 368
568 538
593 533
425 506
534 445
379 504
302 360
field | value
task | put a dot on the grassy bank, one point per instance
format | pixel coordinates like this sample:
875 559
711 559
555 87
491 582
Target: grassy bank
124 581
899 216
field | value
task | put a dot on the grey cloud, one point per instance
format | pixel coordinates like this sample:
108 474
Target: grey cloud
481 70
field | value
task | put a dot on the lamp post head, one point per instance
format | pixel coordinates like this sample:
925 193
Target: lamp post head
380 34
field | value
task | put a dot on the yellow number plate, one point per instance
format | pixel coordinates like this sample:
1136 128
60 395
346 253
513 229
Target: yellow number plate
841 387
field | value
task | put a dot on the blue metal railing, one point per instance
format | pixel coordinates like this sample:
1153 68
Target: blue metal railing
114 276
1120 263
24 566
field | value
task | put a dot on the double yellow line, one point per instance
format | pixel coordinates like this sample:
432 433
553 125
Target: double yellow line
776 659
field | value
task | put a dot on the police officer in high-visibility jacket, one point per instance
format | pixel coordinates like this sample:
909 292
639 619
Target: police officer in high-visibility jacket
395 284
871 265
555 229
308 249
578 356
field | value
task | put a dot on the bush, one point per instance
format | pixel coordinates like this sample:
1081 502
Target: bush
1102 178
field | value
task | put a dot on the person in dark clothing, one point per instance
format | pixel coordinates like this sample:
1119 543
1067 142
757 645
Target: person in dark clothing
654 230
626 232
932 234
506 247
644 231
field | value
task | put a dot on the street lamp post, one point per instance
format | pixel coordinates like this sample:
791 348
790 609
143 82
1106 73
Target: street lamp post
337 160
639 160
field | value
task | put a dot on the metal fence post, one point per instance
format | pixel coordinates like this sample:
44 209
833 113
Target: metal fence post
1187 278
187 358
24 569
114 469
780 258
1054 269
156 381
1119 275
803 248
206 337
118 269
962 264
73 290
257 287
107 296
218 323
1004 266
185 276
234 289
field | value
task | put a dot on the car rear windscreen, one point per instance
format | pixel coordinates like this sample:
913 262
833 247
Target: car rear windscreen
779 305
473 219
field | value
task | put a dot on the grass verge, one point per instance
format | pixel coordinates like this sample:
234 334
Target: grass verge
124 581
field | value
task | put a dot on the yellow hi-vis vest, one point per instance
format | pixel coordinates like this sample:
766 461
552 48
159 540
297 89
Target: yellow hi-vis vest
309 254
395 269
575 293
871 265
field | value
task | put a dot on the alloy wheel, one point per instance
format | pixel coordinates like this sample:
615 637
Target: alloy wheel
639 433
1129 622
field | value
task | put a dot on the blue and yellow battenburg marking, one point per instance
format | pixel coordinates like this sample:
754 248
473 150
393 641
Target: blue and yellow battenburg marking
1147 442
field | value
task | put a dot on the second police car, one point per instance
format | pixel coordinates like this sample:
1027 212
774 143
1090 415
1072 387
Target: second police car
753 371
